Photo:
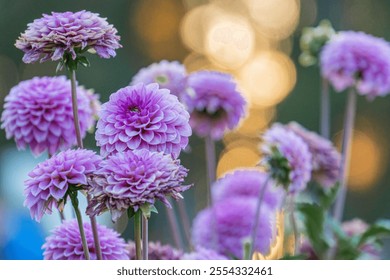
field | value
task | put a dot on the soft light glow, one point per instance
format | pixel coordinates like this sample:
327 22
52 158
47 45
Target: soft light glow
256 121
274 18
192 28
268 78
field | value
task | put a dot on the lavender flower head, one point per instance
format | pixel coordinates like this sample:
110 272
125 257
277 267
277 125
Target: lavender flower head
157 251
143 116
134 178
247 183
203 254
50 180
356 59
38 113
232 220
169 75
326 159
54 35
64 243
287 157
214 103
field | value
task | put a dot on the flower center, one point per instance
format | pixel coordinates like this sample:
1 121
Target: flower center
161 79
218 114
134 109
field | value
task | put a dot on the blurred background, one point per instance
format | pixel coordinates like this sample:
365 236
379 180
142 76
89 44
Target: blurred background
257 41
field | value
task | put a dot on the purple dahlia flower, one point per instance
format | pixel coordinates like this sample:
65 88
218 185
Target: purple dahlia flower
143 116
169 75
157 251
203 254
38 114
232 220
214 103
326 159
51 36
247 183
356 59
49 181
134 178
64 243
287 157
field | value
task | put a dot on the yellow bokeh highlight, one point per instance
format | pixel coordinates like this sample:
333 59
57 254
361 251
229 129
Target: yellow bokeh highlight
268 78
192 28
274 18
229 41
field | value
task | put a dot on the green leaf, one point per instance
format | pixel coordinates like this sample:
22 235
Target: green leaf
375 232
314 219
147 210
347 246
327 197
83 61
130 213
296 257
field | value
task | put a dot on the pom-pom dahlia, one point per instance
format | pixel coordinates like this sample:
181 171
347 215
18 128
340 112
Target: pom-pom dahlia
157 251
134 178
287 158
356 59
247 183
169 75
214 103
231 222
326 159
64 243
143 116
54 35
203 254
38 113
49 181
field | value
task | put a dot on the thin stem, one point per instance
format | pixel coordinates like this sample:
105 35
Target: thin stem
62 216
325 109
73 82
137 235
75 203
256 222
145 238
96 240
185 220
294 227
346 154
211 163
174 228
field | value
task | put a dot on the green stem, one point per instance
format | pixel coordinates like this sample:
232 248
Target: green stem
145 238
73 82
137 234
75 203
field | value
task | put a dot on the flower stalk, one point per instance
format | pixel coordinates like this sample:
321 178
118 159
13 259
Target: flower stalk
137 234
325 109
210 163
145 238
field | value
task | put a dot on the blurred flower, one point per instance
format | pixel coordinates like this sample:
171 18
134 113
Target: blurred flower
247 183
231 221
214 103
52 36
287 158
157 251
170 75
325 158
49 181
38 114
143 116
312 41
64 243
356 59
203 254
134 178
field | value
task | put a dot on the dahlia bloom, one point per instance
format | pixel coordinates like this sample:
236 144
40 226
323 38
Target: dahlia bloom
214 103
157 251
247 183
49 181
54 35
143 116
169 75
356 59
38 113
203 254
134 178
64 243
326 159
287 157
232 220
